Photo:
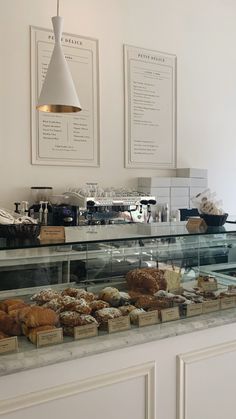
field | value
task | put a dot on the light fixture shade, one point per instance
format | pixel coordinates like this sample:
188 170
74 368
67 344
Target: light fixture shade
58 93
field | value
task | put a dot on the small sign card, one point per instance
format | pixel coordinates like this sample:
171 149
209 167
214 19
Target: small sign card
196 224
9 345
148 319
194 309
227 302
119 324
50 337
52 233
209 286
169 314
86 331
210 306
173 279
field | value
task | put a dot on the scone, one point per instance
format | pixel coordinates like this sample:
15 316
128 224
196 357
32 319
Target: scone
102 316
44 296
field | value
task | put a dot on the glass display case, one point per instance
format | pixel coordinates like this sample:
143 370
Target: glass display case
106 279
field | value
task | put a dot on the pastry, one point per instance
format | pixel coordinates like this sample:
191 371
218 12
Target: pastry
45 295
55 304
98 305
73 304
124 298
135 295
102 316
32 334
15 313
39 316
79 293
72 319
82 320
72 292
134 315
69 318
8 325
110 295
126 310
150 280
22 312
11 303
160 304
144 301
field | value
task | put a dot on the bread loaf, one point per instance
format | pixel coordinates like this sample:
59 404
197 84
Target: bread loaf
148 280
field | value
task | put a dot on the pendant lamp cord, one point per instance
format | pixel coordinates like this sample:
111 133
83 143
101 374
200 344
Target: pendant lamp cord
58 6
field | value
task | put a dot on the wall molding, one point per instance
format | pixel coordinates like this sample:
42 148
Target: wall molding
146 370
184 360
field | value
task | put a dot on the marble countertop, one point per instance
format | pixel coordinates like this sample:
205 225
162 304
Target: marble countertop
35 358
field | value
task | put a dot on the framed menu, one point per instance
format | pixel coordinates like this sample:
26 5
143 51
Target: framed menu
150 108
66 139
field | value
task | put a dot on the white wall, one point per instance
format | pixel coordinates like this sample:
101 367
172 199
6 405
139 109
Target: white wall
203 36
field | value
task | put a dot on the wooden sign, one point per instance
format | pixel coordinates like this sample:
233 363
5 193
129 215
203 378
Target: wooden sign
50 337
148 319
86 331
196 225
9 345
210 306
169 314
227 302
52 233
194 309
118 324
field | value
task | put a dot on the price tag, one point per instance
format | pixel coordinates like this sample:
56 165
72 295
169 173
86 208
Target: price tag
52 233
9 345
196 224
169 314
149 318
119 324
86 331
50 337
194 309
210 306
227 302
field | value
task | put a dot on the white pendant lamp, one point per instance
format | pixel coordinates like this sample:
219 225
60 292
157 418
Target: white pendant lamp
58 93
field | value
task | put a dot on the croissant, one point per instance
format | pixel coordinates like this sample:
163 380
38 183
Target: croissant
8 325
16 313
6 304
39 316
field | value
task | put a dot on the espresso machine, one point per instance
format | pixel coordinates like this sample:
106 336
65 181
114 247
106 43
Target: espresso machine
112 205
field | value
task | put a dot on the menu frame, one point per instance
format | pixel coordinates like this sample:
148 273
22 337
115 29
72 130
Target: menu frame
167 153
92 153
